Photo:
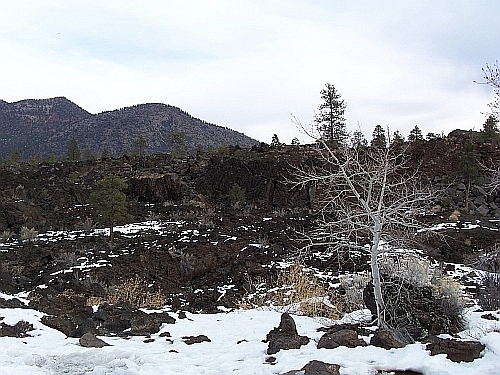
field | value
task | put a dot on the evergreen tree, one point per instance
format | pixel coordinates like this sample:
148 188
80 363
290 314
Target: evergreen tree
379 139
490 128
73 152
110 201
330 118
177 143
14 159
358 139
140 146
275 142
124 153
431 135
469 167
415 135
88 155
104 154
35 160
49 159
397 138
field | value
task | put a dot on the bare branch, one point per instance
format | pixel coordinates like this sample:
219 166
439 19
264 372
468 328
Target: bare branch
492 78
368 196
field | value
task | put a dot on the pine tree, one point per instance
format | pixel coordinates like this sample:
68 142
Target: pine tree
330 118
490 128
177 143
73 152
397 138
379 139
35 160
88 155
104 154
431 136
14 158
358 139
275 142
49 159
469 167
140 146
110 201
415 135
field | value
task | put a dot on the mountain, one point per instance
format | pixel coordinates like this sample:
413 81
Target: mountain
45 126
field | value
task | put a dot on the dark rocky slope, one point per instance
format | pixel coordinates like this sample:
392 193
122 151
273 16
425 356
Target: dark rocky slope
213 247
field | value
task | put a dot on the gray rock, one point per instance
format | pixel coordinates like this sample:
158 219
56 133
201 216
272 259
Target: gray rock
483 210
19 330
479 191
456 351
285 336
190 340
345 337
389 339
316 368
451 191
88 340
479 200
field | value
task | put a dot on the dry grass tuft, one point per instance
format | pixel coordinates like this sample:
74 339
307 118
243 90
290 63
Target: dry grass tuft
449 292
28 234
296 291
135 292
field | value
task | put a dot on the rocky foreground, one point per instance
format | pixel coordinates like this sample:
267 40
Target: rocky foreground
193 248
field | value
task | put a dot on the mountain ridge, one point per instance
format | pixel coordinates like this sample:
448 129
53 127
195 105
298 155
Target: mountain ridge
45 126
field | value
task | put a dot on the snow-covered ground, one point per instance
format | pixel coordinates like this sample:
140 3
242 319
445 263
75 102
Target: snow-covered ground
236 347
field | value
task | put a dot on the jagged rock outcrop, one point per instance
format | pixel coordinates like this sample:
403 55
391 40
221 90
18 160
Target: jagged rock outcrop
19 330
285 336
455 350
391 339
89 340
345 337
315 367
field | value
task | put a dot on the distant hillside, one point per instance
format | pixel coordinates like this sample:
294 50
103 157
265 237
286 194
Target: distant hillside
46 126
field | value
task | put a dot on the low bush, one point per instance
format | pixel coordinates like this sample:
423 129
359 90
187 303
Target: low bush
489 294
351 291
185 260
408 267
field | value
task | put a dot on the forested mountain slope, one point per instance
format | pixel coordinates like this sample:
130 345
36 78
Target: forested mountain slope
46 126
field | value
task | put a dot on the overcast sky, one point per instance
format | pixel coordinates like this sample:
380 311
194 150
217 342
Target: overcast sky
249 65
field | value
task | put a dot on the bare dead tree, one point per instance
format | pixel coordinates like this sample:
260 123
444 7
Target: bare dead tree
492 78
494 184
367 193
493 171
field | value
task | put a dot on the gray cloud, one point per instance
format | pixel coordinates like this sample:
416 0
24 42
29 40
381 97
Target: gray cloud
248 65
